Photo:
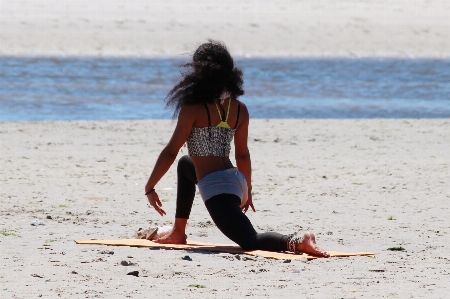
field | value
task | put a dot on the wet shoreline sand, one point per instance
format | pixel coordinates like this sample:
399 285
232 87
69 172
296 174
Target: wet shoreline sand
284 28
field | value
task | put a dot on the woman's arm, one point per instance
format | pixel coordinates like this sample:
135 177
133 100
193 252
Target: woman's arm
242 153
181 133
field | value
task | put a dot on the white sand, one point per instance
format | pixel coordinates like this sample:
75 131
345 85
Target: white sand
341 179
397 28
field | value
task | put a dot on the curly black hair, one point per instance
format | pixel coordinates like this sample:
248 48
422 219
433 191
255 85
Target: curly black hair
211 72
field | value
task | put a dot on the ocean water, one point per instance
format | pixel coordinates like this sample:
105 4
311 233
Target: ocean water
42 89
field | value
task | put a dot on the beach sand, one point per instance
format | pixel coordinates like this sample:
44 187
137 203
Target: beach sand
342 179
324 28
360 185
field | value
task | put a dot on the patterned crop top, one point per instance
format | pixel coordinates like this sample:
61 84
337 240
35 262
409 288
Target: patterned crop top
212 141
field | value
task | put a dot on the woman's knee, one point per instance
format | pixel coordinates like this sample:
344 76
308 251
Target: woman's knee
184 162
186 169
247 245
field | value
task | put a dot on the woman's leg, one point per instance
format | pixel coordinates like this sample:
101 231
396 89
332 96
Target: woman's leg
226 214
233 223
187 180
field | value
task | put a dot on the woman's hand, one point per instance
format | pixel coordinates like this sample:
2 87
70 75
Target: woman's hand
249 203
153 200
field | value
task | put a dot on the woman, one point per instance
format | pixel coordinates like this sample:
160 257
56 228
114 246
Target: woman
209 116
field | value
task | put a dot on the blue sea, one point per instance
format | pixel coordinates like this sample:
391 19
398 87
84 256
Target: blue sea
47 89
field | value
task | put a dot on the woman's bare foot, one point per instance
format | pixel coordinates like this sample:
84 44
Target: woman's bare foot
177 235
174 237
308 245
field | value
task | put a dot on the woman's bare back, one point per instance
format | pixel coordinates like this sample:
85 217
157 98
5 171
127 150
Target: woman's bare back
205 165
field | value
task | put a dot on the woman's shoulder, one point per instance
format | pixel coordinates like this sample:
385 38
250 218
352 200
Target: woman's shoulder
189 108
241 103
243 108
190 112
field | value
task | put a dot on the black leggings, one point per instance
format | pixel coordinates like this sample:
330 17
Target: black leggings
225 212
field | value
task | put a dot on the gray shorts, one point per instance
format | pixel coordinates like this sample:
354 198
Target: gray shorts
229 181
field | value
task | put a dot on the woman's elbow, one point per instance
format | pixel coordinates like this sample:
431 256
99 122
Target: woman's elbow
169 154
245 155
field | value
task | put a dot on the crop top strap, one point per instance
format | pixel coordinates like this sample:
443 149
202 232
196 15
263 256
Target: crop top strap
218 110
209 117
237 118
228 111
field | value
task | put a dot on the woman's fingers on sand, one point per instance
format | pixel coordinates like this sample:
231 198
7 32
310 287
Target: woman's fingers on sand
161 211
154 201
245 208
158 209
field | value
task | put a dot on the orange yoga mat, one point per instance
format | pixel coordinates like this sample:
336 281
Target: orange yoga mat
228 248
